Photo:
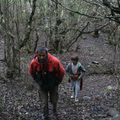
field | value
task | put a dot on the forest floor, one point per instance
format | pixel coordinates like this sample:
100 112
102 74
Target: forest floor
99 99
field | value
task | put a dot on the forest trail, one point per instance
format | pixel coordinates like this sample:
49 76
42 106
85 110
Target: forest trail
20 100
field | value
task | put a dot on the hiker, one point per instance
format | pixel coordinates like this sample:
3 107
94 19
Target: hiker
48 73
75 72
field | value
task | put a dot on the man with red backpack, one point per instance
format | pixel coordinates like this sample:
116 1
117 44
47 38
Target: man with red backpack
48 72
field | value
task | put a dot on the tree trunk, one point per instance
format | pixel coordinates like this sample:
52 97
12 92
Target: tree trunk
12 55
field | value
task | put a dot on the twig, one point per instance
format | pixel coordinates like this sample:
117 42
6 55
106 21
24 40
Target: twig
72 42
89 16
29 26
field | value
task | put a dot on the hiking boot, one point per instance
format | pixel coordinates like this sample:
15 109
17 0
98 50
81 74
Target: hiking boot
54 109
72 96
76 99
46 118
46 112
55 113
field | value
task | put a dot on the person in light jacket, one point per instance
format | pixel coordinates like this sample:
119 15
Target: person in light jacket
75 72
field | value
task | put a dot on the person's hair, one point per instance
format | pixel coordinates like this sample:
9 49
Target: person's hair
75 58
41 49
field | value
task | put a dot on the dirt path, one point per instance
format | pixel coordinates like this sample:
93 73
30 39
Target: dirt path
21 101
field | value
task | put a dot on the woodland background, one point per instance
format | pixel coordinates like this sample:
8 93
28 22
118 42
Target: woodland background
90 28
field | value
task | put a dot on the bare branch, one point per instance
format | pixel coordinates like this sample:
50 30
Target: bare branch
73 41
105 3
89 16
93 3
114 9
37 39
29 25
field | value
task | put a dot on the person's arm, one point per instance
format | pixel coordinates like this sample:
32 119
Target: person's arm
32 70
81 75
60 72
69 73
81 71
68 70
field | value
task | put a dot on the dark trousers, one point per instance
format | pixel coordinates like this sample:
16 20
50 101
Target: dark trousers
45 94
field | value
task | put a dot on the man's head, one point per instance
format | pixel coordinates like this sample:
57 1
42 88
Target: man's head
74 59
42 54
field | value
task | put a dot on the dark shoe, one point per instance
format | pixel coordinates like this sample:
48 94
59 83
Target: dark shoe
46 118
46 113
55 113
54 110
